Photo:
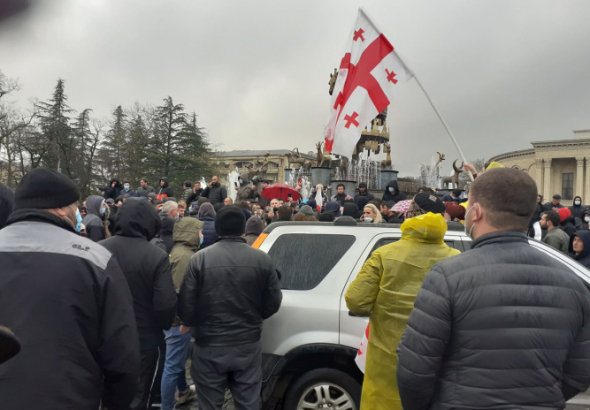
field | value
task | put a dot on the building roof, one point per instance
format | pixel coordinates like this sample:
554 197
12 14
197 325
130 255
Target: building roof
256 153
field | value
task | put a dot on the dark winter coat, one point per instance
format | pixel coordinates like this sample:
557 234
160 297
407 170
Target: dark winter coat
549 206
394 196
584 257
165 189
164 238
207 216
146 268
195 196
93 221
568 225
143 192
68 302
577 210
340 198
186 194
216 195
228 290
131 193
501 326
112 192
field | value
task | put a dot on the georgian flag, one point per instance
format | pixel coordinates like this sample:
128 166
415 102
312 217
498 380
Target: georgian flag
319 200
361 356
366 81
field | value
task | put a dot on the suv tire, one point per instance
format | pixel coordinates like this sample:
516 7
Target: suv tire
334 386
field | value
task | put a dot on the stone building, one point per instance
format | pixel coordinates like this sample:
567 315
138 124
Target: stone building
272 163
558 167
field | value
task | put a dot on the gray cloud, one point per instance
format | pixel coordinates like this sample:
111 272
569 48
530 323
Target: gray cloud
503 73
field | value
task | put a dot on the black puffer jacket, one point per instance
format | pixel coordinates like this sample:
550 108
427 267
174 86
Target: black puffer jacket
502 326
164 239
112 192
577 210
216 194
394 196
68 302
228 290
146 268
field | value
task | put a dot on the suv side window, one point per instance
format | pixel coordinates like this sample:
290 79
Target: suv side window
304 260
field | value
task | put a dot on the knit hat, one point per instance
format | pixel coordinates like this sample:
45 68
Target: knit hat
44 188
306 210
564 213
424 203
230 221
254 226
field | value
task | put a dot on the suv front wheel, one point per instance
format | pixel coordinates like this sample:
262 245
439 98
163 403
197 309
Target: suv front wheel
324 389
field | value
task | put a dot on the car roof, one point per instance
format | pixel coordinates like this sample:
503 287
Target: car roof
452 226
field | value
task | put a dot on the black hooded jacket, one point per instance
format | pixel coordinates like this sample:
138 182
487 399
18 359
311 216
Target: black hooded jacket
165 189
584 257
68 302
93 219
568 225
146 268
165 238
577 210
112 192
6 204
394 196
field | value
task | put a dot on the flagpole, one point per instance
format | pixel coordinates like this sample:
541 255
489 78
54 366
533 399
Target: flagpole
443 122
362 10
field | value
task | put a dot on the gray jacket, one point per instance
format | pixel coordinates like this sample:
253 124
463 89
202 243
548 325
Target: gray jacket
557 239
141 191
502 326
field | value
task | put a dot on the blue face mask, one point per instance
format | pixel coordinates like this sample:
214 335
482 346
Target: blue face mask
201 241
390 189
78 220
126 187
103 210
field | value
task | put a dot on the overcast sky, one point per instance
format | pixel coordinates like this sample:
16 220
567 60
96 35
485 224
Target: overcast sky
502 72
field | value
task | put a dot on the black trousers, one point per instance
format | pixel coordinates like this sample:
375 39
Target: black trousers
237 367
149 363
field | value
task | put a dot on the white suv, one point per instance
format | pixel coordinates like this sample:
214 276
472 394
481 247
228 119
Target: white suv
309 346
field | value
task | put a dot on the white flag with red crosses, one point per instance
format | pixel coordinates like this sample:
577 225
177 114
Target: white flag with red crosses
367 78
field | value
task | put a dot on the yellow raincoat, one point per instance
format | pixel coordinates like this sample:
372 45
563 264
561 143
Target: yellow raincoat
386 288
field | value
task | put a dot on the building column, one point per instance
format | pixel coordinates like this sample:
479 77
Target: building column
586 196
579 177
539 167
547 180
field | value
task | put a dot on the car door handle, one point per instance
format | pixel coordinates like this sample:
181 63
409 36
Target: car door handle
352 314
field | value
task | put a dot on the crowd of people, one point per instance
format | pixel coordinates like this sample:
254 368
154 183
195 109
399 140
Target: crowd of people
104 295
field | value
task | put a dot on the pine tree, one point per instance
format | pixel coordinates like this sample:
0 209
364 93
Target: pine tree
178 148
57 133
113 151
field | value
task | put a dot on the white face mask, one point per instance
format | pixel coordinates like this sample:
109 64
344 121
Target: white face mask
472 226
577 203
368 219
587 218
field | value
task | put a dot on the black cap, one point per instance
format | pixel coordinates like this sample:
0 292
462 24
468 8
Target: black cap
430 203
556 196
230 221
44 188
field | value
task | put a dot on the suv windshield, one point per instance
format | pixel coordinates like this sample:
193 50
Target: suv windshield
304 260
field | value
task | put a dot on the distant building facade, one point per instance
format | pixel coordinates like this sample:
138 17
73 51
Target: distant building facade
558 167
271 164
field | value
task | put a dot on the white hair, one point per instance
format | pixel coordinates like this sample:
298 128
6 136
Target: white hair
169 206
